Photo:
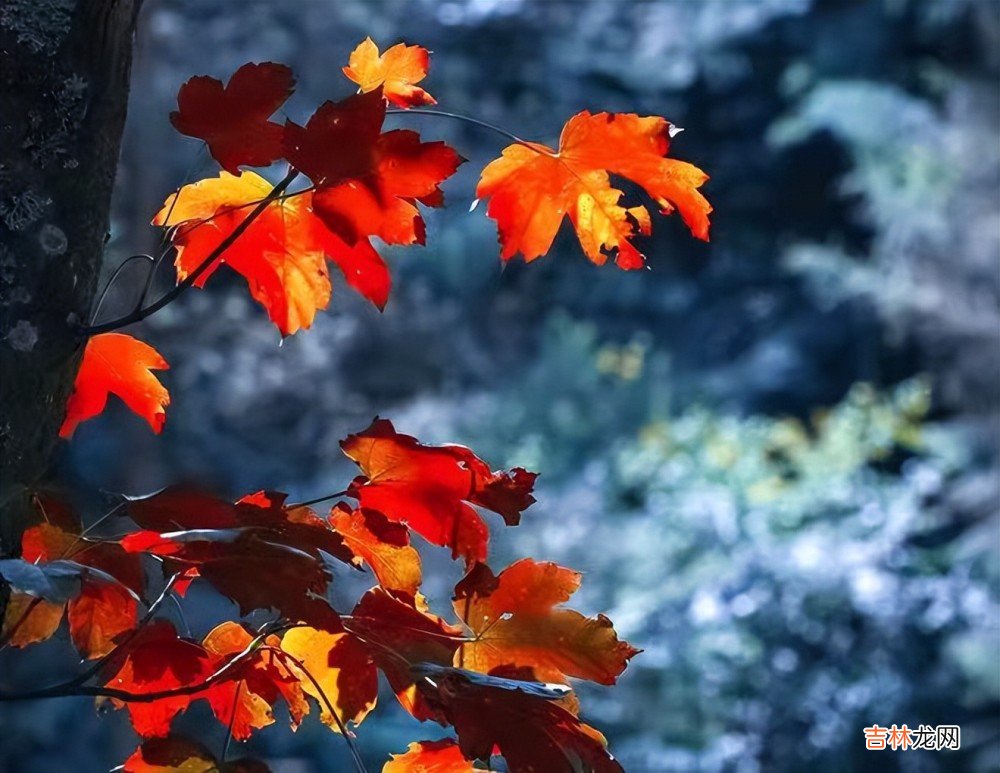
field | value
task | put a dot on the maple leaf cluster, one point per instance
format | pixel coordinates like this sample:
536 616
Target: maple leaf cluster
497 672
367 187
498 669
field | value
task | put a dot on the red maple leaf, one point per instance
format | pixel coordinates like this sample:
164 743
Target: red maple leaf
432 488
368 183
338 141
234 119
118 364
240 677
398 634
255 552
159 660
282 254
523 721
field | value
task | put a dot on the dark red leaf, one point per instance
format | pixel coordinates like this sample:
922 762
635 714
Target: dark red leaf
233 119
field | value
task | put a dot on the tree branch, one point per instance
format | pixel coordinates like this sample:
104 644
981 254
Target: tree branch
70 689
140 314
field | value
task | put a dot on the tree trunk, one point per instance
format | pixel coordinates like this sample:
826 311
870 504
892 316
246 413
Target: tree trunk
64 70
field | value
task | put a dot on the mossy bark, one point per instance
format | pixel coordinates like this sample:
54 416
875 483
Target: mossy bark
64 74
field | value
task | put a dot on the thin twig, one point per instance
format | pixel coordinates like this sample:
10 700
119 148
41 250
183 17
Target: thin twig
348 619
458 117
70 689
140 314
180 614
164 247
232 720
355 752
316 501
114 276
83 533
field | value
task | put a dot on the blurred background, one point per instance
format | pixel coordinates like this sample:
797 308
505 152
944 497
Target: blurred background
774 456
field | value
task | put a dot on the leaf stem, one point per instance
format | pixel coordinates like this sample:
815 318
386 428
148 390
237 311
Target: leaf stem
232 721
355 752
458 117
316 501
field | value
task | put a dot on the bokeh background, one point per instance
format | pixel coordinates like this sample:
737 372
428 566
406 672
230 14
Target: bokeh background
774 456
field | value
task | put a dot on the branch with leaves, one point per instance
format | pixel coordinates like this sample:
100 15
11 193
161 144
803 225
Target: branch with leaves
510 634
498 668
368 184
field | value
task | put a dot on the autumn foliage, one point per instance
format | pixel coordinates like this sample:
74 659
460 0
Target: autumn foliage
498 666
483 671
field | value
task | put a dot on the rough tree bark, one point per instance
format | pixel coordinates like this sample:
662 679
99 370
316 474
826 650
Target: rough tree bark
64 72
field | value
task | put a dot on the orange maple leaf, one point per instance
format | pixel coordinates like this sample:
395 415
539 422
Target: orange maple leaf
245 699
396 71
342 668
516 622
531 187
116 363
106 605
382 544
29 619
98 616
442 756
281 254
